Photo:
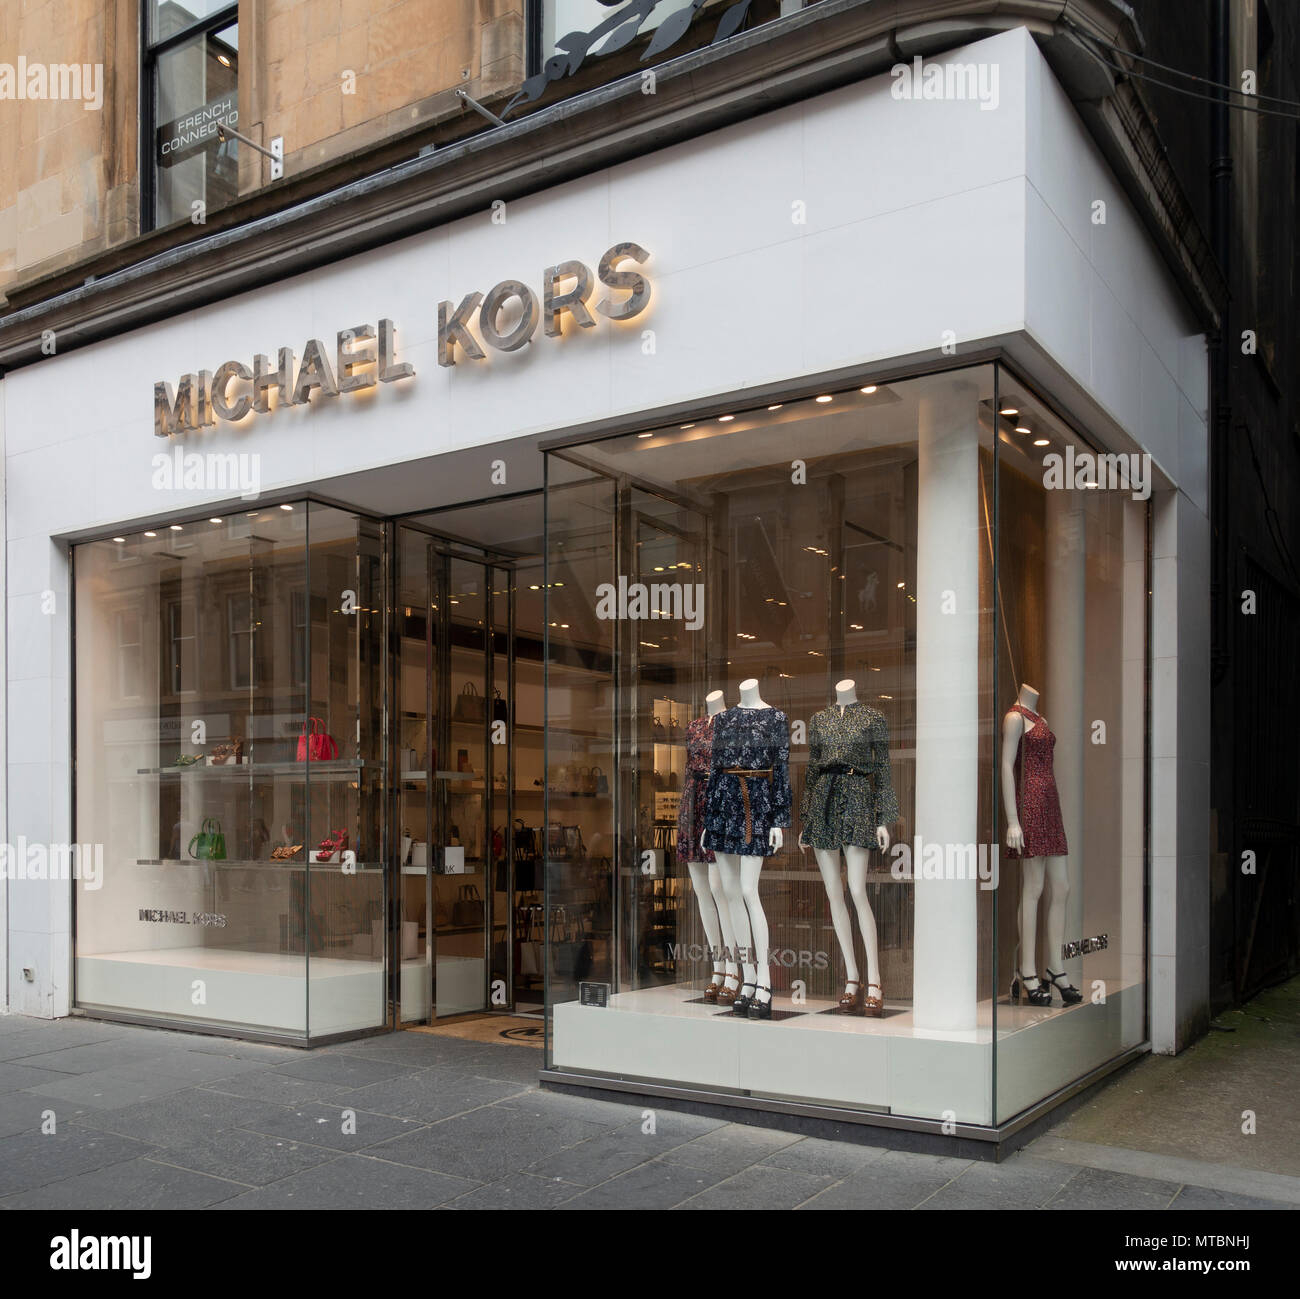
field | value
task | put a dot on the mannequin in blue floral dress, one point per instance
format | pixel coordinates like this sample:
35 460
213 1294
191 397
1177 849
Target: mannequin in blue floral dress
746 808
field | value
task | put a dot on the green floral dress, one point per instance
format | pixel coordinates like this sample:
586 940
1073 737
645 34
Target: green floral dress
847 788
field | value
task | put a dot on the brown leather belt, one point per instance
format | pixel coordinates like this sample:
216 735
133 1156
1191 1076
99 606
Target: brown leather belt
746 774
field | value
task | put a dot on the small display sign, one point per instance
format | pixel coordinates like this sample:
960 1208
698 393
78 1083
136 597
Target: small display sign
666 805
593 994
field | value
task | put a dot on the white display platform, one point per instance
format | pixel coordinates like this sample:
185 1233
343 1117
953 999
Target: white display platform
257 989
667 1035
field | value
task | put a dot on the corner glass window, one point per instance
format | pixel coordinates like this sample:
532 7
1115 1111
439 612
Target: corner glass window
830 652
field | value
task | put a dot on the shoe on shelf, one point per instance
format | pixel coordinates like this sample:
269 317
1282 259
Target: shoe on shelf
1070 995
759 1009
726 993
1039 995
874 1006
714 988
331 845
743 998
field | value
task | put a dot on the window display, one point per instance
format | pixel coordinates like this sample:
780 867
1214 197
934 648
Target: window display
229 685
824 744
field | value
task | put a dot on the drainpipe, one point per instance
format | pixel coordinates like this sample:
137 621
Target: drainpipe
1220 411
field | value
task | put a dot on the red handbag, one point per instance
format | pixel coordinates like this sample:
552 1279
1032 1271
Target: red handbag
316 744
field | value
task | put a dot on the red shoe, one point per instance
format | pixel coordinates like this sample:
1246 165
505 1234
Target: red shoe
332 845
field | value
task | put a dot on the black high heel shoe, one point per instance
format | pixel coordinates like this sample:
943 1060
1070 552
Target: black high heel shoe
1070 995
760 1009
1020 990
743 998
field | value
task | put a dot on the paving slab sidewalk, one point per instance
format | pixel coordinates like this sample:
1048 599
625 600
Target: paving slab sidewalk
144 1118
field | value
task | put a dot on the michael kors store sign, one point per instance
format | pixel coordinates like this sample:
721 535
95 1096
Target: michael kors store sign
364 355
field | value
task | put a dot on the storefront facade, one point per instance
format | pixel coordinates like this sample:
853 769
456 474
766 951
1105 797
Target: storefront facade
870 388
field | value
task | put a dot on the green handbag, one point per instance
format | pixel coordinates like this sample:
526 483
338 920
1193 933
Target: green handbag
209 844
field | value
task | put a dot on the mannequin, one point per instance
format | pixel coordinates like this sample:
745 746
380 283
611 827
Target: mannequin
715 909
1036 835
748 804
848 795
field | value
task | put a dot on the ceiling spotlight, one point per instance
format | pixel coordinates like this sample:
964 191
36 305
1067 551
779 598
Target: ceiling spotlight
1008 410
286 507
869 389
1042 442
224 60
150 534
176 527
214 520
119 540
725 419
1020 428
777 406
823 400
686 426
645 435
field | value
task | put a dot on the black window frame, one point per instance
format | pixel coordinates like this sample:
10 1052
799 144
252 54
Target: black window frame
150 53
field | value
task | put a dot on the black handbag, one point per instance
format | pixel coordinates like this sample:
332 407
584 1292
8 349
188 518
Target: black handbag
468 909
500 709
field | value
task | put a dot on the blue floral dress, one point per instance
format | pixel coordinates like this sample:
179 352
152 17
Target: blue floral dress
749 780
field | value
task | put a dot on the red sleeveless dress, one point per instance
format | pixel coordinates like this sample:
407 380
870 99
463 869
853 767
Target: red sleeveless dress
1037 802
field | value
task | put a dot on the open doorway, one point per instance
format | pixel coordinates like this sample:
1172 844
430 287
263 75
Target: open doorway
467 727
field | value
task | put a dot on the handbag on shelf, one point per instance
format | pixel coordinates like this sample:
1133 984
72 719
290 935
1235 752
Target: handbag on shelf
470 705
602 781
316 744
210 843
590 779
556 845
500 709
468 909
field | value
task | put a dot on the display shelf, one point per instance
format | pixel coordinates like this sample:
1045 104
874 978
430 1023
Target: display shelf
237 863
198 770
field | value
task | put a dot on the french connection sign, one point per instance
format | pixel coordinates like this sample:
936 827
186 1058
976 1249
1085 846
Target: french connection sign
363 356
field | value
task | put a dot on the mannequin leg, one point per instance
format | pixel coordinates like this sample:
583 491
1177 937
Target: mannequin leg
708 910
716 891
750 870
1031 889
858 859
828 862
729 868
1058 893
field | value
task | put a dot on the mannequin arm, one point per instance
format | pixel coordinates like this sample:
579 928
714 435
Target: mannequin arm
1012 728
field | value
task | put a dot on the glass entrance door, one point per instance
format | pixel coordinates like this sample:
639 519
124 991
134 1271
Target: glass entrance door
445 794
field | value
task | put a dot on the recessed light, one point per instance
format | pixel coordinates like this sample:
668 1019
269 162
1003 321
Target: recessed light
214 520
645 435
869 389
286 507
224 60
1008 410
725 419
1020 428
1042 442
150 534
176 527
686 426
824 399
901 585
777 406
119 540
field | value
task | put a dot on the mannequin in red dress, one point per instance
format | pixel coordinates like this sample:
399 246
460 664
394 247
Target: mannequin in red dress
1036 835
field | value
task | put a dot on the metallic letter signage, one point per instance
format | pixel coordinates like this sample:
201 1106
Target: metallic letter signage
506 317
454 323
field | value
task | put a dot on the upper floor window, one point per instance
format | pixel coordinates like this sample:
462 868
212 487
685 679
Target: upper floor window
192 57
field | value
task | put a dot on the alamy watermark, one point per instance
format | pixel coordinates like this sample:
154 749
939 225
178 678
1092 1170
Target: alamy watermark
1128 471
83 81
921 80
671 601
212 471
922 860
53 861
